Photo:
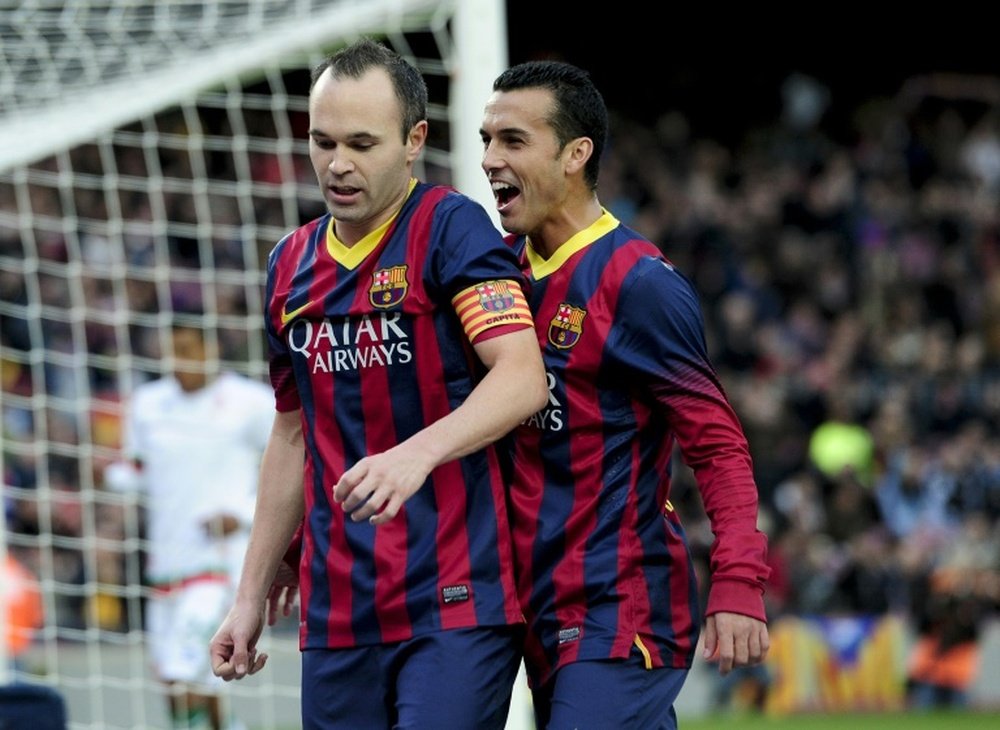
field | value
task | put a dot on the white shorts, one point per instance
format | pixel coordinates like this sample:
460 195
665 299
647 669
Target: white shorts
180 625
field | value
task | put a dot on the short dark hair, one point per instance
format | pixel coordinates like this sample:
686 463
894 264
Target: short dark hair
579 107
355 60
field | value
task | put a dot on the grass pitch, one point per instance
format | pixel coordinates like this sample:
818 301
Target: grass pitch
850 721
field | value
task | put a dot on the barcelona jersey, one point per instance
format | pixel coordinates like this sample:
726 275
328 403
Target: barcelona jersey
602 559
372 343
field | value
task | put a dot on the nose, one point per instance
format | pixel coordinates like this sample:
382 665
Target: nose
340 163
491 160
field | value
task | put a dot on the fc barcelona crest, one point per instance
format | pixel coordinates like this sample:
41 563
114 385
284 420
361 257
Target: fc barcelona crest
389 287
567 326
495 296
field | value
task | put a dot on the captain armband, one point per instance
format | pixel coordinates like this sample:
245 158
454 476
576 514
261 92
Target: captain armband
489 305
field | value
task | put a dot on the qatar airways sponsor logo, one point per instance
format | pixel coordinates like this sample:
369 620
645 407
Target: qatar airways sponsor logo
550 418
351 344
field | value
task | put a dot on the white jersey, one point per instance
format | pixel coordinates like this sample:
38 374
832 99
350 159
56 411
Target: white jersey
200 455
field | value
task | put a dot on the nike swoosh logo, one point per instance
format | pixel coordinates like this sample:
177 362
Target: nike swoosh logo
287 317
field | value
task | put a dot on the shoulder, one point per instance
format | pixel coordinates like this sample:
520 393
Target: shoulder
162 387
516 242
147 396
297 239
644 260
447 201
630 259
239 385
650 280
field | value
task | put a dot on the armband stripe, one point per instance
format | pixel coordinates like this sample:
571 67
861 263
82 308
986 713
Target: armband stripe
491 304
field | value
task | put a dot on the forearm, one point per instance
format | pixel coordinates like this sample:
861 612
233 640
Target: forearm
279 508
513 389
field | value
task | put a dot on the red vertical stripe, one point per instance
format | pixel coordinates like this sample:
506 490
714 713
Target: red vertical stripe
328 440
447 480
567 577
390 549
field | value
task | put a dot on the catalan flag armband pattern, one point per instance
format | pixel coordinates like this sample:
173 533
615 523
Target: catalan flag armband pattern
490 304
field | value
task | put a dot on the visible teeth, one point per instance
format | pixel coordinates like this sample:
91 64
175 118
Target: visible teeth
499 186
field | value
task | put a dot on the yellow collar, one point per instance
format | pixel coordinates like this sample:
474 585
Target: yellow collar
542 267
350 257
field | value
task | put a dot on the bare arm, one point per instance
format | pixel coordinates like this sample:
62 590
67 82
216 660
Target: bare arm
512 390
278 513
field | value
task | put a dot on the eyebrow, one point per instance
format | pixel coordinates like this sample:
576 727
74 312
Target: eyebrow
353 137
506 132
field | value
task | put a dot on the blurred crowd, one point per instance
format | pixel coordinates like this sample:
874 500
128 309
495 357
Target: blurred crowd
850 282
851 289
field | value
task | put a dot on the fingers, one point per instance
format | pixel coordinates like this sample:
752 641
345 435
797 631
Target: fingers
726 651
280 600
374 490
290 596
735 640
344 490
220 656
711 639
358 494
760 644
274 598
390 511
230 670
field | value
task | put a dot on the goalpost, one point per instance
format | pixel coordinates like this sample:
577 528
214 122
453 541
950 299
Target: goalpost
151 154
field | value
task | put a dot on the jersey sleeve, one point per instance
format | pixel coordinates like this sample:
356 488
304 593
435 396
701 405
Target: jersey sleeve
286 395
125 474
467 249
660 334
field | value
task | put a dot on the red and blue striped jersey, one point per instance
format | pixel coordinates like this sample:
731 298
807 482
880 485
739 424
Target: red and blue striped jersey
368 343
602 559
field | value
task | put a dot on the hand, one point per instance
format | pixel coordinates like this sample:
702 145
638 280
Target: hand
233 649
283 593
222 525
376 487
735 640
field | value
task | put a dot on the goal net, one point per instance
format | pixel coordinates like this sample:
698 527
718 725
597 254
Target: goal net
152 152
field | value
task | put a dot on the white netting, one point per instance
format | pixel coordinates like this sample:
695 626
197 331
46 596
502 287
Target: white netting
151 154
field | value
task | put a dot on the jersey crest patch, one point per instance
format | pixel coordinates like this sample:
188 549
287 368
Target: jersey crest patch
566 327
389 287
495 296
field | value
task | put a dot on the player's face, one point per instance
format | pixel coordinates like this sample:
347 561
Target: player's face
361 160
189 359
523 160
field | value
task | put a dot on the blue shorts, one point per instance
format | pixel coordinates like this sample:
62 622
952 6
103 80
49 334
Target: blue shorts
620 694
458 679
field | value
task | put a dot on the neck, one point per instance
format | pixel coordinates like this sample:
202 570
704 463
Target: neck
565 223
349 233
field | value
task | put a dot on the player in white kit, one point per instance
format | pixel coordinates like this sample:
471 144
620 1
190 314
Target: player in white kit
192 446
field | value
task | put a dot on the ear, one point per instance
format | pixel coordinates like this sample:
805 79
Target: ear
576 153
415 140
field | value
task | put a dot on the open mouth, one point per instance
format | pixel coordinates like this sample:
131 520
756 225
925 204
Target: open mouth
504 193
343 190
